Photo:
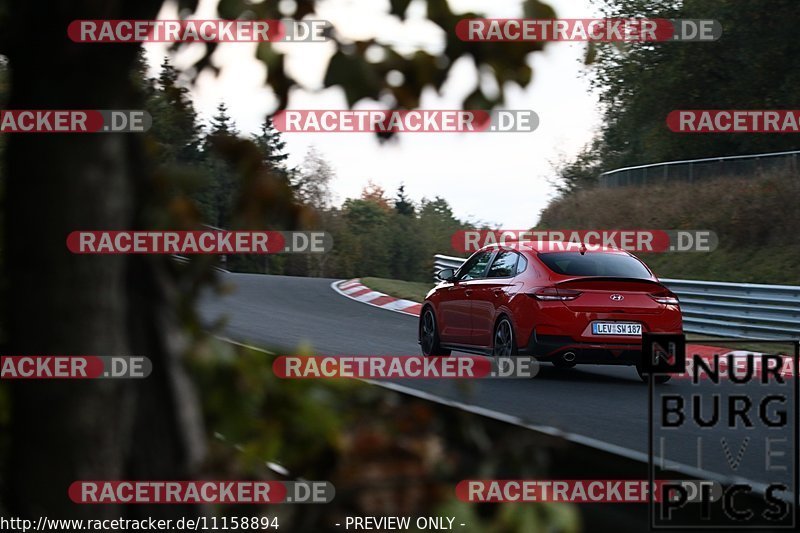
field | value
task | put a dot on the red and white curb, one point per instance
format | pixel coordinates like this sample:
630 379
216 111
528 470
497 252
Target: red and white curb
355 290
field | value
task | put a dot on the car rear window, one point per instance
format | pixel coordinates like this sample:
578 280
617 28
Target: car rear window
595 264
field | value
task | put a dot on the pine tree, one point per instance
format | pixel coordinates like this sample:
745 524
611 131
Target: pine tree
402 204
175 124
271 144
222 188
222 123
177 134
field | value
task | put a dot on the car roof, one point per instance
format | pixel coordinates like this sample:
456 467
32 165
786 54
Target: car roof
552 246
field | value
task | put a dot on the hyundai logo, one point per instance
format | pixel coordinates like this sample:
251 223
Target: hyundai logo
617 297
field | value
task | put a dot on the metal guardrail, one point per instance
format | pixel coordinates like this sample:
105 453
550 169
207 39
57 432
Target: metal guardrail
699 169
738 309
445 261
745 310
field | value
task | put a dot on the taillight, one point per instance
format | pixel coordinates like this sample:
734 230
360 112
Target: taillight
550 294
665 297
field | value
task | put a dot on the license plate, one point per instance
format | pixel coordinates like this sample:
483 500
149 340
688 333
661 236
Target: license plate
616 328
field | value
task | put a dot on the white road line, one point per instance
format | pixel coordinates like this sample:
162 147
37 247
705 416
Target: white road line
576 438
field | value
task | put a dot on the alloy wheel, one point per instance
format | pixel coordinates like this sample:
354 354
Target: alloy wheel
503 339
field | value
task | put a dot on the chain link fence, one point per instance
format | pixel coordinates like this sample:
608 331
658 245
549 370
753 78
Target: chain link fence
701 169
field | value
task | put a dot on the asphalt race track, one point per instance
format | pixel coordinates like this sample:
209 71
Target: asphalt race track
603 406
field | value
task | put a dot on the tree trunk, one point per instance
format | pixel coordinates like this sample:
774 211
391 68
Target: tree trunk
59 303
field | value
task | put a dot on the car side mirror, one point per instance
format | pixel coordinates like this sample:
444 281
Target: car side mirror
446 274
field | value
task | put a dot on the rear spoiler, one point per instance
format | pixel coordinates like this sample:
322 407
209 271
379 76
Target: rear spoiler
610 278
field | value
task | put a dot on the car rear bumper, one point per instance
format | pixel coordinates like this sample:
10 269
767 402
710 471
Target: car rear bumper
554 347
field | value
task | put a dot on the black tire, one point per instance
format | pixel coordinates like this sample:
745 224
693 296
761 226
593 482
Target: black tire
429 335
660 379
504 342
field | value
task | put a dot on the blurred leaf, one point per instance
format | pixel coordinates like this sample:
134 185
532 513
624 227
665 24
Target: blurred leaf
190 5
535 9
355 75
304 7
478 100
398 7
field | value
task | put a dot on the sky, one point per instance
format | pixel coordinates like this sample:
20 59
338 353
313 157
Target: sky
502 179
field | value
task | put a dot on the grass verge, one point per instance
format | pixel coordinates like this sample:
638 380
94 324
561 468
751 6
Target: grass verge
753 217
407 290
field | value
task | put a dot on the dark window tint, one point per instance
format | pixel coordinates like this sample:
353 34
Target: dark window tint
594 264
475 267
504 265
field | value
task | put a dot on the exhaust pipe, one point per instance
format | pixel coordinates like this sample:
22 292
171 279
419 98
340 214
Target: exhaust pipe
569 357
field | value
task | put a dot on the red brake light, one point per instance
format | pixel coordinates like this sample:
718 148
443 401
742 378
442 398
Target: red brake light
549 294
665 297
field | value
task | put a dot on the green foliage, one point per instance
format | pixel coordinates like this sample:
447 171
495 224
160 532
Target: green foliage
366 441
372 238
195 163
205 172
208 177
175 123
402 204
183 176
752 247
369 223
753 66
246 404
222 186
362 78
270 142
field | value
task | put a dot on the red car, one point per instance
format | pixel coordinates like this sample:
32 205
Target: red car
556 301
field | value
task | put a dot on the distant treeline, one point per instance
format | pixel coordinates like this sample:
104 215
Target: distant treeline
376 234
755 65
